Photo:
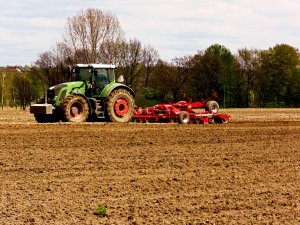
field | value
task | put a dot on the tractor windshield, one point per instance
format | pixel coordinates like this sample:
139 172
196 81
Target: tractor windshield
84 74
95 75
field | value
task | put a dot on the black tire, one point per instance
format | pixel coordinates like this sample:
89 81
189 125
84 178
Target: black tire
220 120
75 109
212 107
120 106
183 118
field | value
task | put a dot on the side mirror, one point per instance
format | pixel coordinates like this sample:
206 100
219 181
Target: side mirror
120 79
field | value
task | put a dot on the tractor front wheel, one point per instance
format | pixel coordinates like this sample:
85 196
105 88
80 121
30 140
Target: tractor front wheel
120 106
75 109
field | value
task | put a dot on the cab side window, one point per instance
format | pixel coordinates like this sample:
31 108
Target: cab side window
101 75
101 79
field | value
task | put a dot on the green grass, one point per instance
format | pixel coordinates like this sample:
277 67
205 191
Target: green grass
100 211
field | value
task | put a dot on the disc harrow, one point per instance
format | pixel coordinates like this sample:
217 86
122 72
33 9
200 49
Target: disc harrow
181 112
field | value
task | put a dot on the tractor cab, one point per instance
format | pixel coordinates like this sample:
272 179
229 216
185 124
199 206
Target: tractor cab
96 77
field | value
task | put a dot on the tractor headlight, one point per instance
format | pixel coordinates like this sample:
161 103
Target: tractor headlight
51 95
53 92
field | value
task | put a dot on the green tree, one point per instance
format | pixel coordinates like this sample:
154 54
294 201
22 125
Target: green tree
286 58
22 83
214 69
2 88
292 97
276 68
37 90
160 80
247 63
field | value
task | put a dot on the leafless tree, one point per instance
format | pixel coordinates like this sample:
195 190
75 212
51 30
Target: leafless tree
52 66
44 66
182 72
150 58
130 61
92 34
169 78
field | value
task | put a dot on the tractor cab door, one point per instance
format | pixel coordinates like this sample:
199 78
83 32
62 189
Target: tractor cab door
101 79
85 74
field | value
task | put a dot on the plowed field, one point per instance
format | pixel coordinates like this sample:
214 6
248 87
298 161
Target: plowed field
243 172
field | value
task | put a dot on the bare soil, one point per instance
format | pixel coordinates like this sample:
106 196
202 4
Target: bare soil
243 172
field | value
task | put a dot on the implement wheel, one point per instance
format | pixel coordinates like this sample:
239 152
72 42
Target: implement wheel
183 118
212 107
75 109
120 106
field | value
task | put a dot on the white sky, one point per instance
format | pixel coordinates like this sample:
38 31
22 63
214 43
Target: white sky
175 28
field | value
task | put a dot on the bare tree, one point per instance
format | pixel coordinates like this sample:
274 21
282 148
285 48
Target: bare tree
182 72
52 66
169 78
130 61
93 34
44 65
150 58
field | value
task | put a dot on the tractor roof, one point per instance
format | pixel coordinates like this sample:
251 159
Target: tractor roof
104 66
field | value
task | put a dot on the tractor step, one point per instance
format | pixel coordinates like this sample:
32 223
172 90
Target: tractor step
99 110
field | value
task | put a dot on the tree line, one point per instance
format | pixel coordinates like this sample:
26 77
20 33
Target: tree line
249 78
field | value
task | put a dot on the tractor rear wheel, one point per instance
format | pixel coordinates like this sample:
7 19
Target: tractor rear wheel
183 118
75 109
212 107
120 106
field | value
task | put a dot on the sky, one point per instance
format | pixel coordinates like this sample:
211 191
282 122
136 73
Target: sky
175 28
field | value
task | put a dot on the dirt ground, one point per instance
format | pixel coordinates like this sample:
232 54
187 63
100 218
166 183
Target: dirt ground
243 172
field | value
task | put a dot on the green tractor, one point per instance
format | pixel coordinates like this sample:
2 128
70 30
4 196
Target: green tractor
93 95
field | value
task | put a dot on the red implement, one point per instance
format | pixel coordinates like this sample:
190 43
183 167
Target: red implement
181 112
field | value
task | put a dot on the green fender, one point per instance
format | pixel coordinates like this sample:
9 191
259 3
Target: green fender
113 86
